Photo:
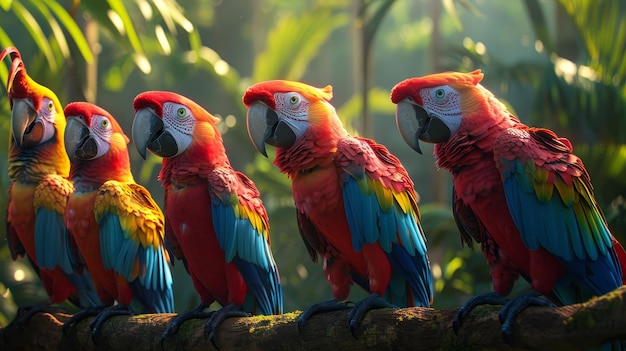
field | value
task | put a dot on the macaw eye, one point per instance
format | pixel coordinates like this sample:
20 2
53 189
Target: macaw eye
50 105
294 99
181 112
104 123
440 93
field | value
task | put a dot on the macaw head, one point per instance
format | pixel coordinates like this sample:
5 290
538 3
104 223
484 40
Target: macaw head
91 132
36 113
167 124
281 112
435 107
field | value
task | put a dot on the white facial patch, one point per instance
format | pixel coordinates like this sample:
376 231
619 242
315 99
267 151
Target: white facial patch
101 131
180 122
443 102
293 109
47 113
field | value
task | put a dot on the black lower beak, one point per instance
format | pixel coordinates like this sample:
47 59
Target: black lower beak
264 126
78 142
415 124
149 134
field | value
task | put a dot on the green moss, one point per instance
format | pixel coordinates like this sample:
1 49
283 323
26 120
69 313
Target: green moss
261 324
585 319
143 316
452 343
580 320
484 311
330 332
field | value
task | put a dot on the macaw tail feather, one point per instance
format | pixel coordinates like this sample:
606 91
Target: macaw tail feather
264 286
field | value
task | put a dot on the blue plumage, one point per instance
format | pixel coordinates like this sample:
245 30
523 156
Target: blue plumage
247 247
51 241
573 231
398 234
152 285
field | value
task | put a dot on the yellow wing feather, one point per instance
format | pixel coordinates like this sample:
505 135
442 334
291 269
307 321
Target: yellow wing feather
52 193
140 217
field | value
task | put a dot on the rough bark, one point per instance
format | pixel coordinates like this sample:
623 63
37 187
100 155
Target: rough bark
576 327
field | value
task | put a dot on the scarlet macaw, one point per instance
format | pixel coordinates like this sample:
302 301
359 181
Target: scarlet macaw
356 206
117 225
38 191
215 219
519 191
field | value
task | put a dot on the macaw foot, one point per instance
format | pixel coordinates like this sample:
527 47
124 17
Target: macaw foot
374 301
82 314
104 315
218 317
177 322
511 309
320 307
490 298
26 312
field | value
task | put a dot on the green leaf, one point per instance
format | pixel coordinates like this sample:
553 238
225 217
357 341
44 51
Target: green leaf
72 28
603 30
57 32
35 31
6 5
129 31
295 41
535 14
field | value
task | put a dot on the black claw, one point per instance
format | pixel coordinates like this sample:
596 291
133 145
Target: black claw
324 306
512 309
30 311
374 301
490 298
96 324
177 322
228 311
80 315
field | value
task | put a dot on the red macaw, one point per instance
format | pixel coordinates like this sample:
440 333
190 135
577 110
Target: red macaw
117 225
215 219
356 206
38 190
519 191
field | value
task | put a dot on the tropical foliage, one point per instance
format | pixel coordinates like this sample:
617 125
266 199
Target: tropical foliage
561 67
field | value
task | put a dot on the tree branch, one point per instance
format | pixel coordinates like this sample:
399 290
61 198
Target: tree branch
576 327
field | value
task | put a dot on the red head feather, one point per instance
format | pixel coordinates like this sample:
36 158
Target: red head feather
20 85
155 100
264 91
87 111
411 86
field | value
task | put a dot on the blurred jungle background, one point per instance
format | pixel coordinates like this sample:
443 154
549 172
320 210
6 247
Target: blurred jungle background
557 63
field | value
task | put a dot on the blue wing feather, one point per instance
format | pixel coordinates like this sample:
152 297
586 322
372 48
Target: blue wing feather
398 233
51 241
574 231
144 267
53 249
153 289
244 245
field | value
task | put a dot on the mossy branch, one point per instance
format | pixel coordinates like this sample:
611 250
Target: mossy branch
576 327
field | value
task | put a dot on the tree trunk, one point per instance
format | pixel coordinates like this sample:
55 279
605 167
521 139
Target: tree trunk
576 327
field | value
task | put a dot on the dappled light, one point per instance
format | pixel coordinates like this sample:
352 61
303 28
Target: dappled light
555 64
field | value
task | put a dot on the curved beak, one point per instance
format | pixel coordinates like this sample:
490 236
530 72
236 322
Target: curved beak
23 117
78 141
415 124
149 133
264 126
